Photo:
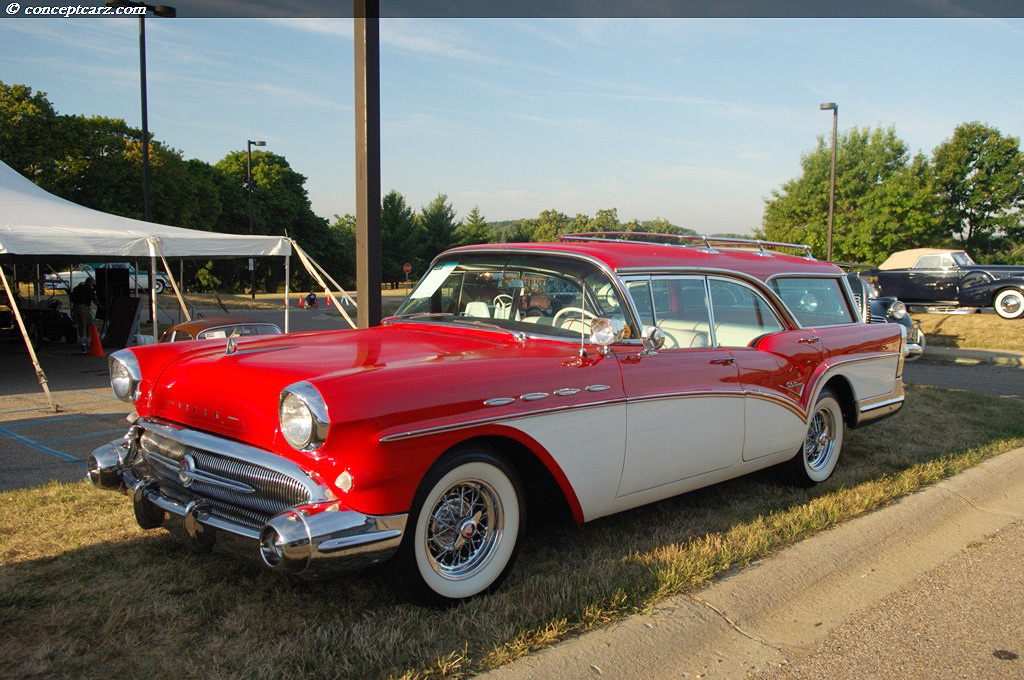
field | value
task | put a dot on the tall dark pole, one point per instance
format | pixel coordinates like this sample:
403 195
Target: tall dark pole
146 210
832 185
248 183
368 239
160 11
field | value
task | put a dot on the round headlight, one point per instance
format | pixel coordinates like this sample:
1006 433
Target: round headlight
303 416
125 375
897 310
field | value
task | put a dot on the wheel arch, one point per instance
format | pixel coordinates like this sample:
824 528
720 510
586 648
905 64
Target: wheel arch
840 386
544 484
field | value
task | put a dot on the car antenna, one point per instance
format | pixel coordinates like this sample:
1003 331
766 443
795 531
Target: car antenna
583 318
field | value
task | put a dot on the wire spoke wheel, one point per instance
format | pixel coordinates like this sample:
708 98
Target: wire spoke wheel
823 442
464 530
464 526
820 442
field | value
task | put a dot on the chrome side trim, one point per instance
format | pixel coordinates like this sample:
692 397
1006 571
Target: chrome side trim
598 388
882 404
438 429
499 401
534 396
567 391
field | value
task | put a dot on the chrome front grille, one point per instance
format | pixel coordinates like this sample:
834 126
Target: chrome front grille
231 488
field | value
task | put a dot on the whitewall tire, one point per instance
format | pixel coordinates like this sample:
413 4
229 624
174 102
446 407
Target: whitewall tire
823 442
1009 303
464 530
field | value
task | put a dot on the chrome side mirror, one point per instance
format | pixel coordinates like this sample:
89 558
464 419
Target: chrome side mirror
605 331
654 338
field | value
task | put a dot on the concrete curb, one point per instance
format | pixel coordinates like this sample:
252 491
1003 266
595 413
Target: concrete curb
973 357
780 609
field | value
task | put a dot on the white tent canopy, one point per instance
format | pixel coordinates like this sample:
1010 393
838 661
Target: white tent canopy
35 222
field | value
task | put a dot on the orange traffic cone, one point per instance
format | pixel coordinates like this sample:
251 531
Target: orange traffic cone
301 303
96 347
328 300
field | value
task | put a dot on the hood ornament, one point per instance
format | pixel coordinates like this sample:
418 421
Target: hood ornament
232 346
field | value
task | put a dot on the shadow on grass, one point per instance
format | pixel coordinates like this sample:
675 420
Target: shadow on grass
95 596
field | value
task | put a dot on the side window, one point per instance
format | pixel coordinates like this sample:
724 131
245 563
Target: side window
928 262
740 314
814 301
677 305
946 262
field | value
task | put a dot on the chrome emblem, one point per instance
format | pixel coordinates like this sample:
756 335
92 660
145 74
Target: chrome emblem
186 468
232 345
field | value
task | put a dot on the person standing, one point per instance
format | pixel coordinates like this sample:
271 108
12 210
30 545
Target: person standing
82 298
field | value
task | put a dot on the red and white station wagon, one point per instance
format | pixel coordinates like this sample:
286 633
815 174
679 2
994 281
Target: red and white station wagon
654 369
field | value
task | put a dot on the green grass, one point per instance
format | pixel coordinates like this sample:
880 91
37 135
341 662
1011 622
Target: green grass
975 331
85 594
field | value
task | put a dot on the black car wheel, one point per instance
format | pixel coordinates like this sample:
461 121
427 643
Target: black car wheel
35 333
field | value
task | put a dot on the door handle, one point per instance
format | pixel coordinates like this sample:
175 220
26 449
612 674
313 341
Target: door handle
809 341
723 362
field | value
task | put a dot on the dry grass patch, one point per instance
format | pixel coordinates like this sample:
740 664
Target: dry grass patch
84 594
975 331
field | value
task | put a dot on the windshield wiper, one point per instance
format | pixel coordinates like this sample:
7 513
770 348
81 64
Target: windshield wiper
518 335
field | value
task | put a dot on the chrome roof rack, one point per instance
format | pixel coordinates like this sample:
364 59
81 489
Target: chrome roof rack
684 241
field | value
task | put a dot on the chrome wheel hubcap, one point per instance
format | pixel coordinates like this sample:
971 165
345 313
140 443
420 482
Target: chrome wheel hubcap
1010 304
464 527
820 442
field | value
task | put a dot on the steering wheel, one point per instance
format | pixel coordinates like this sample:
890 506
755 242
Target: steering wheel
566 310
502 303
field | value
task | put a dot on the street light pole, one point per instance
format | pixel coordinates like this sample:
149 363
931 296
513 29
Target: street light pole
832 184
160 11
248 184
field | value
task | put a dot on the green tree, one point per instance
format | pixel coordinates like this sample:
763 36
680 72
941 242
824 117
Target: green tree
883 200
29 131
438 221
548 225
475 229
980 183
280 207
401 238
521 232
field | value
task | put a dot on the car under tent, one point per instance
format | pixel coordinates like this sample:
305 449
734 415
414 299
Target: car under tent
37 227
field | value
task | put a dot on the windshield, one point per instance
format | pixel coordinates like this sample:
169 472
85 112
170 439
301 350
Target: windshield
519 292
962 259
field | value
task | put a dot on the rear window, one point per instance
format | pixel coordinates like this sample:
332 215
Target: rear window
814 301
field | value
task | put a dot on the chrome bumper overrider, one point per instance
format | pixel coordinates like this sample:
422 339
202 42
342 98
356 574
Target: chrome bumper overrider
307 540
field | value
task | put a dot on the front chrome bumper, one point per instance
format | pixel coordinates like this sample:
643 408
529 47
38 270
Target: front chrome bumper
313 540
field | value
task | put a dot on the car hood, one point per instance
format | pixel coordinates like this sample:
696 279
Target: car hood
374 377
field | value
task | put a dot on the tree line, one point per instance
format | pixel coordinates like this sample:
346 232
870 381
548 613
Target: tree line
969 194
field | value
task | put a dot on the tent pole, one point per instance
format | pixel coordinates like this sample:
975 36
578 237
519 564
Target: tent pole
304 259
174 284
152 290
40 375
287 288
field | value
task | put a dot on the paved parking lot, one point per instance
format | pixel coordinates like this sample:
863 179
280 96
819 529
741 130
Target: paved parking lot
36 444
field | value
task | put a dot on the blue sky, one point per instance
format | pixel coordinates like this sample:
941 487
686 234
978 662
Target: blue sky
694 121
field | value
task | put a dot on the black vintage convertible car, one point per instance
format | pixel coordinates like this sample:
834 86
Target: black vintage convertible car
937 277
